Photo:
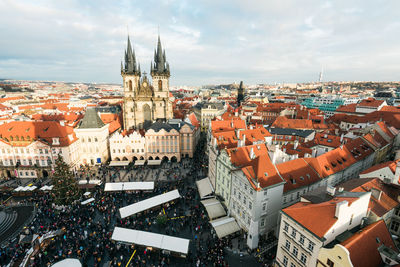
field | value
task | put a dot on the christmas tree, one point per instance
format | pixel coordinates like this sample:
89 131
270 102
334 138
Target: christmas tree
65 189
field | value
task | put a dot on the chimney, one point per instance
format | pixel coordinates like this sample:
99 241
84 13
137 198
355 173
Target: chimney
314 152
244 140
252 155
376 193
331 190
340 208
236 113
62 123
296 143
341 138
341 189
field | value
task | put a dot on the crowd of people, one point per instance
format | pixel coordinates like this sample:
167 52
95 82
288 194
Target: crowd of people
86 230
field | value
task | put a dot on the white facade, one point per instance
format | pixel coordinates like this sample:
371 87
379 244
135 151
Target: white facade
127 147
299 246
94 144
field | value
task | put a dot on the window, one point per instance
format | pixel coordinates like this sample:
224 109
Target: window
262 222
295 251
292 264
244 200
302 239
287 245
330 263
351 219
286 227
95 139
294 233
264 206
394 226
311 246
250 205
285 261
303 258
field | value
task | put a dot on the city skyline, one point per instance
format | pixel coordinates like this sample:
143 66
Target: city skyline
205 43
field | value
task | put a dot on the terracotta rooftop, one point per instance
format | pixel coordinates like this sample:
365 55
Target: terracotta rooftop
363 245
317 218
22 133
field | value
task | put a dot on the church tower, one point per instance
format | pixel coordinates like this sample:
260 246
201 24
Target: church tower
160 72
145 102
130 72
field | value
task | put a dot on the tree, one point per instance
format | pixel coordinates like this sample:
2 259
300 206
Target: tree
65 189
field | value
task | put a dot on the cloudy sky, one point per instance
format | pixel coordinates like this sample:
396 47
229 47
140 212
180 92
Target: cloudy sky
215 41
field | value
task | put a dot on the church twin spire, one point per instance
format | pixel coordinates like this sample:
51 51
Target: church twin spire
159 67
131 67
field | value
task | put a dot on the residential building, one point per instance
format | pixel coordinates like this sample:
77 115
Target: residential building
205 112
307 226
371 246
93 134
28 149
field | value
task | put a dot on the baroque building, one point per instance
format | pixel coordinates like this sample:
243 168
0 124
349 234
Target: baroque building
145 102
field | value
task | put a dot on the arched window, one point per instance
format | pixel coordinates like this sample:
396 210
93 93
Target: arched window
159 85
130 85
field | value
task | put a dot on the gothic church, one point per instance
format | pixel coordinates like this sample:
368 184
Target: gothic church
145 102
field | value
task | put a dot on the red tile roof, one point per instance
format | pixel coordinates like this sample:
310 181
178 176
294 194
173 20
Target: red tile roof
297 173
36 130
363 246
317 218
388 198
221 126
390 164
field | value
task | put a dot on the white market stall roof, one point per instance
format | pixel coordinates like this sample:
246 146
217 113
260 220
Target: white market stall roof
214 208
129 186
87 201
86 194
47 188
140 162
148 239
149 203
68 263
26 188
225 226
119 163
154 162
96 182
204 186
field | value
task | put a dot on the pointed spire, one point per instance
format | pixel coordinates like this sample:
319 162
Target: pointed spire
122 67
159 58
130 59
140 73
151 67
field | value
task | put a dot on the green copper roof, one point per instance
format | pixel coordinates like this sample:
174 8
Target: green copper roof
91 120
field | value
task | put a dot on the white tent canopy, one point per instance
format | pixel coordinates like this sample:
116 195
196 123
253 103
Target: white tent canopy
87 201
140 162
119 163
204 186
68 263
225 226
154 162
96 182
47 188
214 208
128 186
149 203
148 239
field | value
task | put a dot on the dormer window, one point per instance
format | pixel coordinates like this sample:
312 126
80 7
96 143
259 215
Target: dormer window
56 141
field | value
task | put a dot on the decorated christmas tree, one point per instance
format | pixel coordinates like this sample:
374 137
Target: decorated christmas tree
65 189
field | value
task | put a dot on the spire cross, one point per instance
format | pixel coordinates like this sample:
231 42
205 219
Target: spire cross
144 73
